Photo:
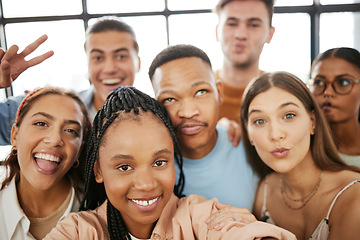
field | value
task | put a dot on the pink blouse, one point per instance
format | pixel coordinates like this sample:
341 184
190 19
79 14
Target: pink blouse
181 219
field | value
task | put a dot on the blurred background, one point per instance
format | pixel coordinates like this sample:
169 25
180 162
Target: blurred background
303 29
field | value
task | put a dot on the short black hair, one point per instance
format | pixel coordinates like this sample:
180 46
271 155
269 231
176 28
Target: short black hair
176 52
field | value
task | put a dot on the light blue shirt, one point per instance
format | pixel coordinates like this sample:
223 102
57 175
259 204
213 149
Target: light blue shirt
224 174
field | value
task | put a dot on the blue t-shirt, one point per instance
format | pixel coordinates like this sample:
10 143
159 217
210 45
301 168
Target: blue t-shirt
224 173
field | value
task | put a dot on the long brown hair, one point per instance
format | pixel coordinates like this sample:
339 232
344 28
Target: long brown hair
322 145
75 174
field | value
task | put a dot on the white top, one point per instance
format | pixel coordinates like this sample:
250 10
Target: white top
13 222
353 160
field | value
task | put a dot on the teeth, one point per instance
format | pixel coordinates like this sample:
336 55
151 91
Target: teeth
48 157
145 203
111 81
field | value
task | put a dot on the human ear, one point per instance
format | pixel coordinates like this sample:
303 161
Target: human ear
14 133
313 123
271 34
97 173
220 90
138 64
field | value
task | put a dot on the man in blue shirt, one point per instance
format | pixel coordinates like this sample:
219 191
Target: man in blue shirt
183 81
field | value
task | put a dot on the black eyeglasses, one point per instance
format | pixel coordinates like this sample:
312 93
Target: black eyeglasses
341 86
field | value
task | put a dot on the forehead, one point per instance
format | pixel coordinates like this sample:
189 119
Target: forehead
336 66
181 73
132 131
109 40
59 106
272 99
245 9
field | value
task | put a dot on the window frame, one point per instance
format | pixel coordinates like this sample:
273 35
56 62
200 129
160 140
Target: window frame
314 10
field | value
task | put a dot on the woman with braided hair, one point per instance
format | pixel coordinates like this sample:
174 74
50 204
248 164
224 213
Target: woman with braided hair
130 190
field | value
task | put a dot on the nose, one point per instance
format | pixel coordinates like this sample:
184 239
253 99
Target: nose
329 90
276 131
145 180
187 109
54 138
241 31
109 65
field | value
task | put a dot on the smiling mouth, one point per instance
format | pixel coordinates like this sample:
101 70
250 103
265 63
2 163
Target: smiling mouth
145 203
47 163
112 81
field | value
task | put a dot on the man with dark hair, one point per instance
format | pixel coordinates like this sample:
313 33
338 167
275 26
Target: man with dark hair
183 81
112 53
244 27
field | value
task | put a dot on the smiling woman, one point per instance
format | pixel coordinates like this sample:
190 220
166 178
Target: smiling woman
43 179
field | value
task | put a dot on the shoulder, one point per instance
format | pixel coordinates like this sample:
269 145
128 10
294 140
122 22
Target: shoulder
90 224
87 95
345 214
196 206
193 200
11 105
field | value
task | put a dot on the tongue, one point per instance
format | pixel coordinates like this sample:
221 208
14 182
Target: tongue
47 166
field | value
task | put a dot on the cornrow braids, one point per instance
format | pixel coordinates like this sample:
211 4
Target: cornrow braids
121 101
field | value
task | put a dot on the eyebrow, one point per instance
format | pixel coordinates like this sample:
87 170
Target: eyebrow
130 157
115 51
193 85
281 106
337 76
51 117
254 19
247 20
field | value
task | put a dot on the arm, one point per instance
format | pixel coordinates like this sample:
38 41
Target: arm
234 130
258 230
13 63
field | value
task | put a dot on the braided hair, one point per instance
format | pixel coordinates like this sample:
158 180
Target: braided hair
121 101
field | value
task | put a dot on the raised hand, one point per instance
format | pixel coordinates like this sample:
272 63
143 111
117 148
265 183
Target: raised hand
13 64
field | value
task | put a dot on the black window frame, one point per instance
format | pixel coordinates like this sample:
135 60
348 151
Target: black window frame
314 11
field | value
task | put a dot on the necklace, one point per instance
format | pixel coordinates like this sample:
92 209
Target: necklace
303 200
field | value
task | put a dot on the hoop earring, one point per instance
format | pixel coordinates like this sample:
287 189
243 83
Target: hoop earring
13 151
76 164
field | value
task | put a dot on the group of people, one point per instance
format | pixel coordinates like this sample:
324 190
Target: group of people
160 168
